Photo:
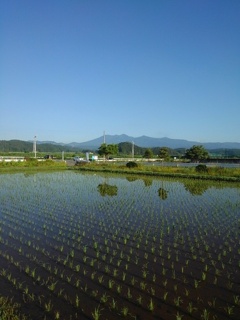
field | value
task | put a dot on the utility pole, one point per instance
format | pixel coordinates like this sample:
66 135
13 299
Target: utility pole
133 150
35 147
104 141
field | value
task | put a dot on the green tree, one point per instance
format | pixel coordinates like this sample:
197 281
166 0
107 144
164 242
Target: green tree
196 153
164 153
107 149
148 154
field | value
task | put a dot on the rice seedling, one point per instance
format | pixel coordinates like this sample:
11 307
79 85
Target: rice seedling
143 285
139 300
96 314
124 311
165 296
191 308
165 283
144 273
229 310
104 298
113 304
119 289
205 314
110 283
178 301
48 306
129 295
77 301
179 316
52 286
152 291
204 276
151 305
196 283
236 300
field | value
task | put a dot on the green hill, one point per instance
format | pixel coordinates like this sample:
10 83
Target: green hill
24 146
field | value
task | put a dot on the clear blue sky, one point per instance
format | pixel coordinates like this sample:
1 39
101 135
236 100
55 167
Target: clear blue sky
70 70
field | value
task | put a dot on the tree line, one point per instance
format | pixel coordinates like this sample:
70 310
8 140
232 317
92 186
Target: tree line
25 146
195 153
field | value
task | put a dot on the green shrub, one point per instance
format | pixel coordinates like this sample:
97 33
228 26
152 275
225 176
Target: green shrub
202 168
131 164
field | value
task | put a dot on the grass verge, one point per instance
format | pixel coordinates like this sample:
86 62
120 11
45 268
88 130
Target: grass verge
32 165
214 173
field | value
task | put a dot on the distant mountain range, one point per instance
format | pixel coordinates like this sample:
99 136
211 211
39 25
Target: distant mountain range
148 142
93 145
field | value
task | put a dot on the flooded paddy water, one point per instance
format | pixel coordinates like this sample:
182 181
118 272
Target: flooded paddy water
98 246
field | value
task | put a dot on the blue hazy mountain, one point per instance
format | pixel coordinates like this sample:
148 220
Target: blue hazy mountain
148 142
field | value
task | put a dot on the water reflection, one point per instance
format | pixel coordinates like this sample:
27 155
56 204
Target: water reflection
196 187
107 189
163 194
132 178
147 182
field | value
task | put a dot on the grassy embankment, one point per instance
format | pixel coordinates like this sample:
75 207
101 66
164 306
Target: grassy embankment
31 164
212 173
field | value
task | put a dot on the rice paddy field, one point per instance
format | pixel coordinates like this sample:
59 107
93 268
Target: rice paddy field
96 246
